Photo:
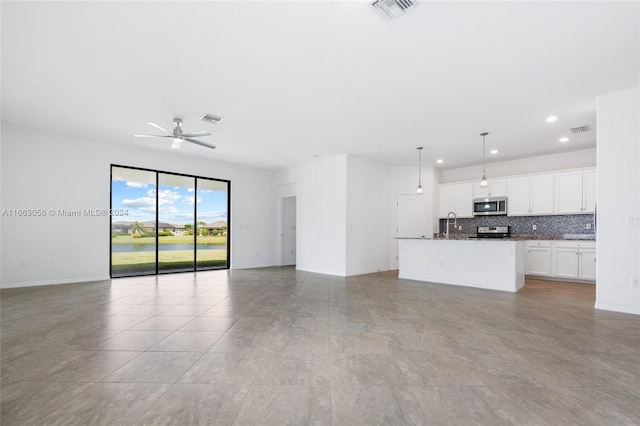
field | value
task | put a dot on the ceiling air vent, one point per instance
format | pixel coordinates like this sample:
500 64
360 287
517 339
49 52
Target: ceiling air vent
389 10
580 129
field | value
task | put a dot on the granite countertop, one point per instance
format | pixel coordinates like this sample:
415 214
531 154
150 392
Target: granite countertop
563 237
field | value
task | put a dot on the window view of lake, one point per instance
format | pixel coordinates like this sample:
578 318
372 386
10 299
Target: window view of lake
119 248
174 224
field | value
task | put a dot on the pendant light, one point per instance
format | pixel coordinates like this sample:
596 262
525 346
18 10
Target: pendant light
419 188
484 182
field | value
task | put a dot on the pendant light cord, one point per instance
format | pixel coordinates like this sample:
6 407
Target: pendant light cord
419 189
484 149
419 166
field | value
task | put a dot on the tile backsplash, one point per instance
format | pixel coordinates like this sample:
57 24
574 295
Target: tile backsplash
523 225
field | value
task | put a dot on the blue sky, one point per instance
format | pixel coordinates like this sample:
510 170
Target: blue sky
175 202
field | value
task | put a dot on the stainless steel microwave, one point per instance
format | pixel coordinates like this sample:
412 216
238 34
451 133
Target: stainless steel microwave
490 206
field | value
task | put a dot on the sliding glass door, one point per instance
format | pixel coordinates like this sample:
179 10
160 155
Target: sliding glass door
211 203
175 210
174 222
133 237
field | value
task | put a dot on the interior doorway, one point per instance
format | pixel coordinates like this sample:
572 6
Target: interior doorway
288 235
410 216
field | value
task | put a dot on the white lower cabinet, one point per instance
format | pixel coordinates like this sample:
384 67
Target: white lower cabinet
574 260
538 258
565 262
587 265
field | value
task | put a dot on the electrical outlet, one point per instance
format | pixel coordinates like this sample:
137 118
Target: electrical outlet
588 226
22 263
635 282
460 228
534 227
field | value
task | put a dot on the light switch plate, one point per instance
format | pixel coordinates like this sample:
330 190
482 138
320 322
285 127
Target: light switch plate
633 220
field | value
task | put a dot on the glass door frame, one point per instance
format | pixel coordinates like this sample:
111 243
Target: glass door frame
157 214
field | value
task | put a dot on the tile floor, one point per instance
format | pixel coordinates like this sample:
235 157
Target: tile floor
274 346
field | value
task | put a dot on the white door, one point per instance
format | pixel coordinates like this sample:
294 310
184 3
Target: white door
289 231
410 216
410 221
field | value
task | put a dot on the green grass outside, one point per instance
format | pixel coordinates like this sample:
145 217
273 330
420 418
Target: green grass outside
138 262
175 239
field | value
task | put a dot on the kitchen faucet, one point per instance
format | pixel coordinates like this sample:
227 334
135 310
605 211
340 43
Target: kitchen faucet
455 222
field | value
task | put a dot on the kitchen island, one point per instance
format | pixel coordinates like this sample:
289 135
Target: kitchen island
494 264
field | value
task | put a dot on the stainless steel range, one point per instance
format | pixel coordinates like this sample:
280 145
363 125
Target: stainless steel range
493 232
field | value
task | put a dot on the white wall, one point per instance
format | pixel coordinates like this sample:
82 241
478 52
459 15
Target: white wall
321 213
543 163
403 181
618 243
53 171
367 216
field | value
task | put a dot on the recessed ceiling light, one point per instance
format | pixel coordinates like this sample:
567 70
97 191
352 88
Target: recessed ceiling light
493 152
564 139
551 119
439 161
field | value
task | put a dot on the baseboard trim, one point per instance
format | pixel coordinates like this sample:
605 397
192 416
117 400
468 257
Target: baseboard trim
53 282
558 279
618 308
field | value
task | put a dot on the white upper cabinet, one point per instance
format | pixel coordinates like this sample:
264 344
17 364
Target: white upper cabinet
457 198
575 192
589 190
518 196
530 195
542 194
464 200
496 188
562 192
447 199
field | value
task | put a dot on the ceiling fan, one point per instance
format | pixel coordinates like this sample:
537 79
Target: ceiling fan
179 136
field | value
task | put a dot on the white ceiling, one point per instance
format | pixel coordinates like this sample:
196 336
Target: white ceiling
296 79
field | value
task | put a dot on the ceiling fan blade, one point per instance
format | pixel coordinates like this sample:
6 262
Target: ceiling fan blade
153 136
159 127
197 142
196 134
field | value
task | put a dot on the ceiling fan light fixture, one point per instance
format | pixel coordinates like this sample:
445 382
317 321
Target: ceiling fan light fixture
178 135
